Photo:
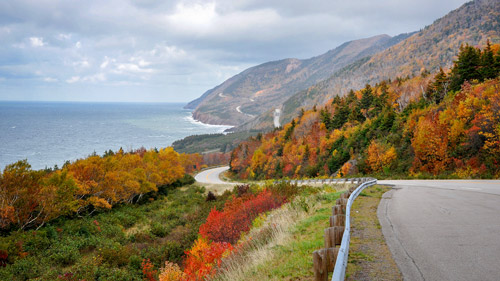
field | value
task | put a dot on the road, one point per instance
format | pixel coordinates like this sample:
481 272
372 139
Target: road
443 230
212 176
276 117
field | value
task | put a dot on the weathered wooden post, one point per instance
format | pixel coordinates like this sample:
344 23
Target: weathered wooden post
337 220
338 233
338 210
331 255
320 265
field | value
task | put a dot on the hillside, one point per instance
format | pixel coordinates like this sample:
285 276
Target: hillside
266 86
433 47
426 126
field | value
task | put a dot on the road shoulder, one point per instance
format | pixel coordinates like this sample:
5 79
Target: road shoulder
369 256
405 262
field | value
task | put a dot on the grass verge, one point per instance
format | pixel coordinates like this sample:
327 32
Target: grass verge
281 248
369 256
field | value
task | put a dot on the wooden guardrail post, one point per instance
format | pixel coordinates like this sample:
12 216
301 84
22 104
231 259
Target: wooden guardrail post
324 262
320 265
338 210
333 236
337 220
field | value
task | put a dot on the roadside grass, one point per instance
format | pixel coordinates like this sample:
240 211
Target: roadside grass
369 256
296 231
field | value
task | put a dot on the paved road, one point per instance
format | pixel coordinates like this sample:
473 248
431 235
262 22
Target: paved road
212 176
443 230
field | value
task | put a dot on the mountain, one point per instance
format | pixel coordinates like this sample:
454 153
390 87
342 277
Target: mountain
266 86
444 124
435 46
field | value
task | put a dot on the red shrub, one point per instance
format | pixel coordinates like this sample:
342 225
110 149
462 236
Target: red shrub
237 216
204 258
148 270
3 258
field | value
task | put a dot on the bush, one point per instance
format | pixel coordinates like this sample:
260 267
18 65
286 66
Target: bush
64 255
115 256
204 257
26 268
237 216
159 229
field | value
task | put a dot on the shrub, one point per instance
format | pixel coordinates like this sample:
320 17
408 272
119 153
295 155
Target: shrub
171 272
204 257
26 268
148 270
159 229
210 197
64 255
237 217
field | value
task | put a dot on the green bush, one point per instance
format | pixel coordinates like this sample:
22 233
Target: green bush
26 268
64 255
159 229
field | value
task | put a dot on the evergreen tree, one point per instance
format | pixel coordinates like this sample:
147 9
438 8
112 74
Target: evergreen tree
437 89
487 69
466 67
336 100
351 97
356 115
326 118
340 116
289 131
366 97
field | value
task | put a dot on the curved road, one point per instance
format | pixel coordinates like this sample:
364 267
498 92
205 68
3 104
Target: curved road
212 176
443 230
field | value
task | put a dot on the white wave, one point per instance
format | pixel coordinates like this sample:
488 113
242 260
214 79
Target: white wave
220 128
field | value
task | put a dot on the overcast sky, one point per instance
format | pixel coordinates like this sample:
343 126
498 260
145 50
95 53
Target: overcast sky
174 50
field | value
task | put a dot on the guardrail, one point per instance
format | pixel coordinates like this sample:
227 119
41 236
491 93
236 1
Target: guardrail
324 181
341 262
332 258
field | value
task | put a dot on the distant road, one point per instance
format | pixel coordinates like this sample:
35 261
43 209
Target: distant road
276 119
212 176
443 230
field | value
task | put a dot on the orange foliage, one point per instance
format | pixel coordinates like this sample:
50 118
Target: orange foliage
203 259
430 144
171 272
380 156
30 198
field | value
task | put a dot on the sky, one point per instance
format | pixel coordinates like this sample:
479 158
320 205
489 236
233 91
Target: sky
175 50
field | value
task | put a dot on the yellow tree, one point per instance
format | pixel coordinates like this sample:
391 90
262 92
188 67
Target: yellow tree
380 156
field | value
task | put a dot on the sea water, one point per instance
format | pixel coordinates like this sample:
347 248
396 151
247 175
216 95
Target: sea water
50 133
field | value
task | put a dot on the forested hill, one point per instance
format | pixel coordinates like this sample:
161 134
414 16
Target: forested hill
268 85
433 47
443 124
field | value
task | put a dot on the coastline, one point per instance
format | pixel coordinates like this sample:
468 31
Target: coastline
51 133
222 128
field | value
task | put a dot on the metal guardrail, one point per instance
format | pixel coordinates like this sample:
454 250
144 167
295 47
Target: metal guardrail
341 262
325 181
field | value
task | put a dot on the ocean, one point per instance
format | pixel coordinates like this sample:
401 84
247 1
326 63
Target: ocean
50 133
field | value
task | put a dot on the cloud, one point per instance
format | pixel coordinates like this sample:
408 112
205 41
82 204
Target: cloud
37 42
50 80
166 48
131 68
82 63
73 79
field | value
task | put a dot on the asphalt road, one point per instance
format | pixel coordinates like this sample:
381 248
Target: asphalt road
443 230
212 176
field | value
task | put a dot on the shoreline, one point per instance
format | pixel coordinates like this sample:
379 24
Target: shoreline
223 128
